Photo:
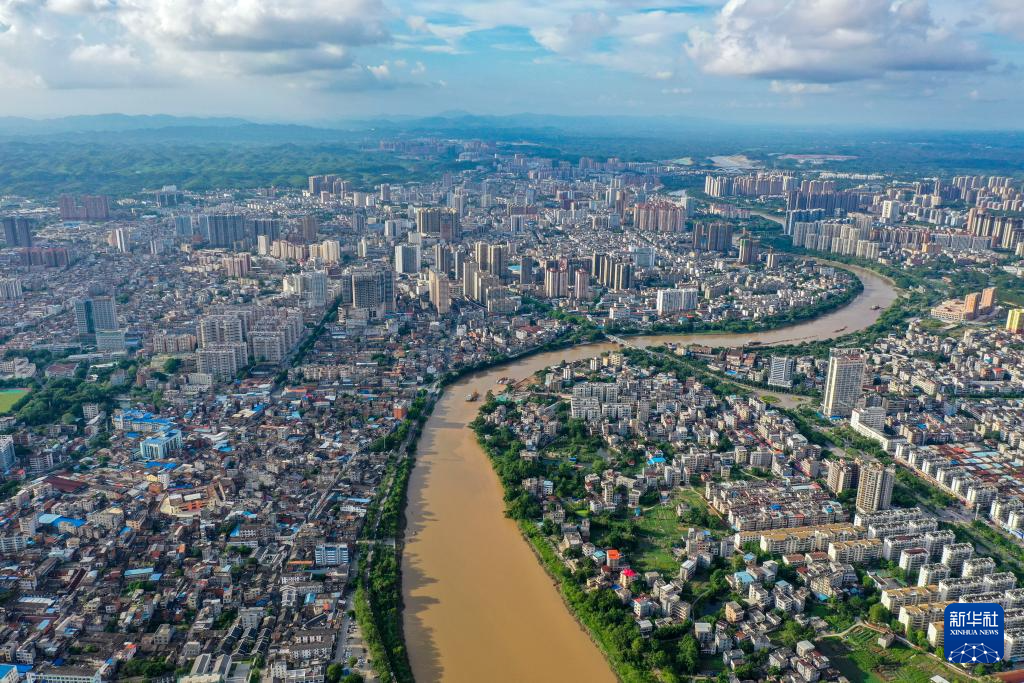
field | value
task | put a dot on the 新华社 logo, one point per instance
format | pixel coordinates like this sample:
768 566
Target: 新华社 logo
973 633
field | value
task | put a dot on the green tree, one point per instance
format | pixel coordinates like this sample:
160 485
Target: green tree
689 654
334 672
878 614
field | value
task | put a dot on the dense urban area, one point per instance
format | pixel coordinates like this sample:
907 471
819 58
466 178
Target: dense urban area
212 403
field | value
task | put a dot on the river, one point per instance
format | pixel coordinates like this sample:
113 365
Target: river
478 605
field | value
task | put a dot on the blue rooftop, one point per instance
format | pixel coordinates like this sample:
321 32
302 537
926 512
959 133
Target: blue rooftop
142 571
744 577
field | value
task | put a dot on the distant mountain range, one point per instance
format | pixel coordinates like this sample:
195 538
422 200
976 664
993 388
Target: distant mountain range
16 125
448 122
167 127
566 137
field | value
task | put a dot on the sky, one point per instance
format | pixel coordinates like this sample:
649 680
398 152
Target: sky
900 63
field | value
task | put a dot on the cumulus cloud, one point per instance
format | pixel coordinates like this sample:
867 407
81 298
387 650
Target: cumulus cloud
241 25
117 43
829 41
103 55
1006 17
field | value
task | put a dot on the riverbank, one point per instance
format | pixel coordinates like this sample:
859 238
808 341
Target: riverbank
477 607
378 599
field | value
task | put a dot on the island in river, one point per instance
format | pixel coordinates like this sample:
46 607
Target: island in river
478 604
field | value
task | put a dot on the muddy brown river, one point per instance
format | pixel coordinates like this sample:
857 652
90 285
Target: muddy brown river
479 608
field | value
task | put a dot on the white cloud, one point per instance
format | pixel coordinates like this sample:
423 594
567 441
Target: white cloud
103 55
633 36
827 41
1007 17
245 25
796 88
79 6
117 43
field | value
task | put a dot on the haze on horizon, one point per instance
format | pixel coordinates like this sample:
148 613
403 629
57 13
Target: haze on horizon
900 63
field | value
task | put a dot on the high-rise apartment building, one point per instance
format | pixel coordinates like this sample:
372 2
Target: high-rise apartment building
581 285
556 283
308 228
712 236
622 277
874 488
1015 321
17 231
223 229
373 289
972 305
439 291
84 208
220 329
669 301
10 289
780 372
844 383
310 286
218 361
988 299
444 259
183 226
7 457
407 258
842 475
497 260
748 247
526 265
97 313
480 253
438 221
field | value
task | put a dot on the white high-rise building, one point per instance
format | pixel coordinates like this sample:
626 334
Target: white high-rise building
844 383
407 258
891 210
669 301
675 300
781 371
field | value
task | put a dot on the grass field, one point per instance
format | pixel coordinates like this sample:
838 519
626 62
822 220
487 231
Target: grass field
838 622
661 529
860 659
8 397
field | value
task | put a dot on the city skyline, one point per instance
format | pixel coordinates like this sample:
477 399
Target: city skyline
917 63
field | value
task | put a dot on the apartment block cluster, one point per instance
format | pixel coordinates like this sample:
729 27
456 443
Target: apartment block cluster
894 221
942 419
946 572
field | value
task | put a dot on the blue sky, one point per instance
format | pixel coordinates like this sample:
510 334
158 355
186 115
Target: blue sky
933 63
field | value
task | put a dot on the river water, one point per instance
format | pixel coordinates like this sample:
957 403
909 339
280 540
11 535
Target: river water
479 608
